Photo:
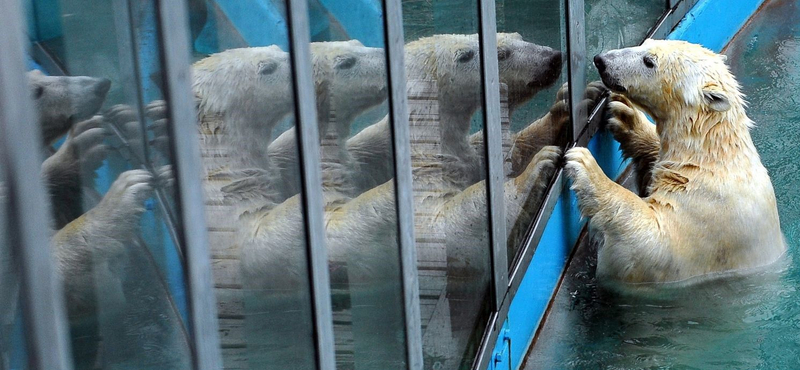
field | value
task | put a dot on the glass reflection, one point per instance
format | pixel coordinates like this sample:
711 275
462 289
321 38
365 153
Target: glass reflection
12 337
442 58
361 227
109 177
538 108
252 183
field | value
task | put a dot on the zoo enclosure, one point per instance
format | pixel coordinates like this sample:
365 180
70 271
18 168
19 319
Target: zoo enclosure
154 37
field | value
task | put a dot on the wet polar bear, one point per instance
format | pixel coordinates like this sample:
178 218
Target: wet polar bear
710 205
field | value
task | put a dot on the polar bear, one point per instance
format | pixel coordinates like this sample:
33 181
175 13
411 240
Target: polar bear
525 68
90 254
242 94
710 205
66 171
62 101
356 80
100 235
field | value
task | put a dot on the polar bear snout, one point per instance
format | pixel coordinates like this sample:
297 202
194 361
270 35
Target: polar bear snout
102 87
553 61
613 83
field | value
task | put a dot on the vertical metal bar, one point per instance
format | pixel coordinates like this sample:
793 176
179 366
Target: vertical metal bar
20 147
175 49
576 64
490 76
308 142
398 109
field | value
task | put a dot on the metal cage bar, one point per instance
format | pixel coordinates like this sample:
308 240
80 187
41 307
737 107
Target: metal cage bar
20 147
398 110
493 140
175 49
308 143
576 64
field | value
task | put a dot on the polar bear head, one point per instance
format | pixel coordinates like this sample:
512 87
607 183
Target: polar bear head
526 68
453 62
64 100
669 78
359 76
250 87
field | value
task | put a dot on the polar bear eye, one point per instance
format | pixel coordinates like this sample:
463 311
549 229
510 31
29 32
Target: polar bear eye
38 92
267 67
465 56
345 62
648 61
503 54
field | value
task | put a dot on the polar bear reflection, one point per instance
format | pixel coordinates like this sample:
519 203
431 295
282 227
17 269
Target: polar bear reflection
443 74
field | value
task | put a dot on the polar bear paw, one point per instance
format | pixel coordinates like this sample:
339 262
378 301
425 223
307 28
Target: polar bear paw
587 178
130 190
547 159
87 139
623 119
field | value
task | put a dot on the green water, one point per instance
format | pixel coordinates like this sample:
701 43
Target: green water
749 322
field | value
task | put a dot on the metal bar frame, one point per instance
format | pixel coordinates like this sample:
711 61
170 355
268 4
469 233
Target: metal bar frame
41 292
576 63
404 197
308 143
493 139
176 69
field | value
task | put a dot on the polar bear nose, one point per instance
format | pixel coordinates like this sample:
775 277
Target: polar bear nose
102 87
599 63
555 60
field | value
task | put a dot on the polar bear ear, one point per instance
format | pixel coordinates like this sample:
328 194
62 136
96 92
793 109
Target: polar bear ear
716 99
267 67
355 42
344 61
723 57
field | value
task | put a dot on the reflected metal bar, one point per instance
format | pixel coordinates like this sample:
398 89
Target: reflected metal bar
175 48
576 64
398 108
493 138
311 199
20 148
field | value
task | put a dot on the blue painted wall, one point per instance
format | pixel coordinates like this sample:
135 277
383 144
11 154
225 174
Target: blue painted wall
712 23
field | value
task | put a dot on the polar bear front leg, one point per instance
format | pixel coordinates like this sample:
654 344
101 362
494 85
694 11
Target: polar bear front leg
611 206
524 193
638 138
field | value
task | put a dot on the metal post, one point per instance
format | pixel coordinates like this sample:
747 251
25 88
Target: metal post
308 142
494 148
398 109
175 49
576 64
20 148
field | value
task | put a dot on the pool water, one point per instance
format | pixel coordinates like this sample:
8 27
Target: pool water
745 322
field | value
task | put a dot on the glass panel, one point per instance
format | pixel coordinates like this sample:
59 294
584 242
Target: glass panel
243 83
110 183
12 337
535 111
443 66
357 165
613 24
